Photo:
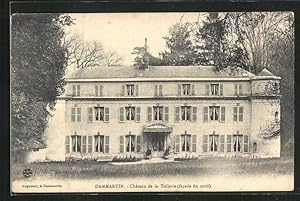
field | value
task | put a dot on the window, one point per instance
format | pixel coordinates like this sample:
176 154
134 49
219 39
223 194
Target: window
130 143
254 147
186 89
213 142
75 114
186 143
237 143
158 113
186 113
214 89
130 113
158 90
99 113
99 143
238 113
238 89
76 90
76 143
98 90
214 112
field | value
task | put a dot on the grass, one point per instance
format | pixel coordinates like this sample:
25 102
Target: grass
201 167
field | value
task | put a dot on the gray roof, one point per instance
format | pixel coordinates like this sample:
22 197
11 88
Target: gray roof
158 72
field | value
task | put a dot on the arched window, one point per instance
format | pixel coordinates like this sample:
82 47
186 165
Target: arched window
254 147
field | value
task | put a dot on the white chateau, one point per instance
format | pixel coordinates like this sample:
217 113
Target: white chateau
190 110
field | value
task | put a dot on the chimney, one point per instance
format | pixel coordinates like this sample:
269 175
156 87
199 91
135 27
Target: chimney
146 58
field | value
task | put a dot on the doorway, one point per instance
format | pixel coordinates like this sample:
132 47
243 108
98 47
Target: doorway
157 144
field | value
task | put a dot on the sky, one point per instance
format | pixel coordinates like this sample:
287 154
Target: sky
124 31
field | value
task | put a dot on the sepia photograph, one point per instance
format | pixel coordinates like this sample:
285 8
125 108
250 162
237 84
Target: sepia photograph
152 102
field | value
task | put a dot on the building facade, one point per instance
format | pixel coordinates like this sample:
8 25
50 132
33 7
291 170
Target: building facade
189 110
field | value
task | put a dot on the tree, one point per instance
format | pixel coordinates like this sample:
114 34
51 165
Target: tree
83 54
141 56
179 44
112 58
38 63
255 32
214 44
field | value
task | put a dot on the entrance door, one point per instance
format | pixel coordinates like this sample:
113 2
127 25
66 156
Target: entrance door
157 143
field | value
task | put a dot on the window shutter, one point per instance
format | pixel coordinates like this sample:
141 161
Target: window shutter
193 89
177 114
241 113
90 114
90 144
83 144
149 114
106 114
207 89
123 90
246 143
122 114
235 89
177 143
78 114
194 117
222 119
179 90
96 91
121 144
74 90
228 143
160 90
235 110
205 143
67 144
138 143
138 114
166 114
106 144
78 90
156 90
73 114
136 90
241 89
101 90
205 118
221 89
194 143
222 143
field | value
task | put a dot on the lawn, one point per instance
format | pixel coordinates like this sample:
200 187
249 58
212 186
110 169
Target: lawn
200 167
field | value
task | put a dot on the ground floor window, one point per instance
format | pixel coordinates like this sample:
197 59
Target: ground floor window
76 143
85 144
226 143
185 143
130 143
